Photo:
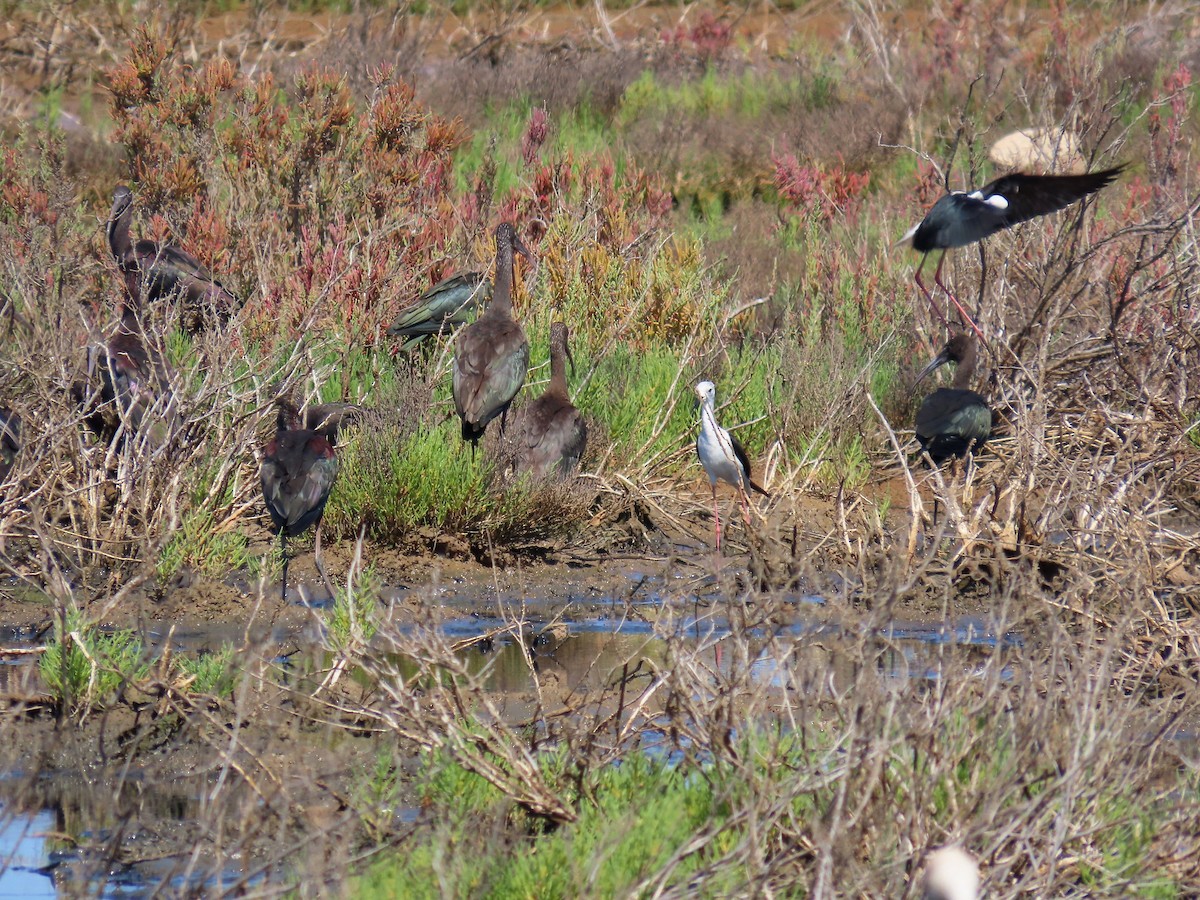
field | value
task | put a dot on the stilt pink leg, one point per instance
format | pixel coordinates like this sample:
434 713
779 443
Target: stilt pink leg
716 516
928 296
745 506
966 318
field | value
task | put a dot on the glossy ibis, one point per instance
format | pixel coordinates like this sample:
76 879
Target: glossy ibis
551 432
298 470
442 308
961 218
491 357
135 385
950 874
955 420
330 418
723 458
157 271
10 440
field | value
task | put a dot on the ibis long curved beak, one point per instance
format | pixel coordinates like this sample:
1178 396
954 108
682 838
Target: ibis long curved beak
938 361
520 247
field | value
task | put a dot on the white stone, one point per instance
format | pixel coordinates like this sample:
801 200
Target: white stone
1040 151
950 874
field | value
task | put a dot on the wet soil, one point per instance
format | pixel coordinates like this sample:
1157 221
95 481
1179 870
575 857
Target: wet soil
137 786
137 791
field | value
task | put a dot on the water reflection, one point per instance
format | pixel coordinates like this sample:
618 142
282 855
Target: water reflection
25 855
75 836
71 835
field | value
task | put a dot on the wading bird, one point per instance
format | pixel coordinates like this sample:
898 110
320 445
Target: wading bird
442 308
962 218
950 874
330 418
491 357
134 385
955 420
550 432
157 271
723 458
10 440
298 470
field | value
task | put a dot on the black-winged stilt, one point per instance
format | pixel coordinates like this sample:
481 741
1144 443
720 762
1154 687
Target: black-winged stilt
962 217
723 458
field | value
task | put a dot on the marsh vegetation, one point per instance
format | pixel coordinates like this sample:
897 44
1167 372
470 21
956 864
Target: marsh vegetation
708 194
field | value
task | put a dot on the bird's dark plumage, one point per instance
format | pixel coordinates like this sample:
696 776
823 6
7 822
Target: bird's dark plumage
127 382
491 356
442 308
298 470
961 218
156 271
956 420
330 418
10 440
952 422
740 452
551 433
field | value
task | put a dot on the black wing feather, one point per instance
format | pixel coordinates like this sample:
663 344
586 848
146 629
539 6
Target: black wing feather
1030 196
740 452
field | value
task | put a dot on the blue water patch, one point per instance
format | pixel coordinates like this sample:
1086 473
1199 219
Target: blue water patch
32 867
966 631
23 849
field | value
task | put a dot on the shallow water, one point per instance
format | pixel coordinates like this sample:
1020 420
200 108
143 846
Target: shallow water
50 852
592 642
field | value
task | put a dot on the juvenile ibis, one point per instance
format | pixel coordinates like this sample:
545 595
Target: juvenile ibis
491 357
962 218
551 432
298 470
10 440
442 308
156 271
950 874
723 458
955 420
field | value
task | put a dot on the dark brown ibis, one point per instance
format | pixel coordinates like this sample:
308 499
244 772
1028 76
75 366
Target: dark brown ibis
327 418
550 432
156 271
954 421
491 356
10 440
441 309
723 457
962 218
330 418
128 386
298 470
